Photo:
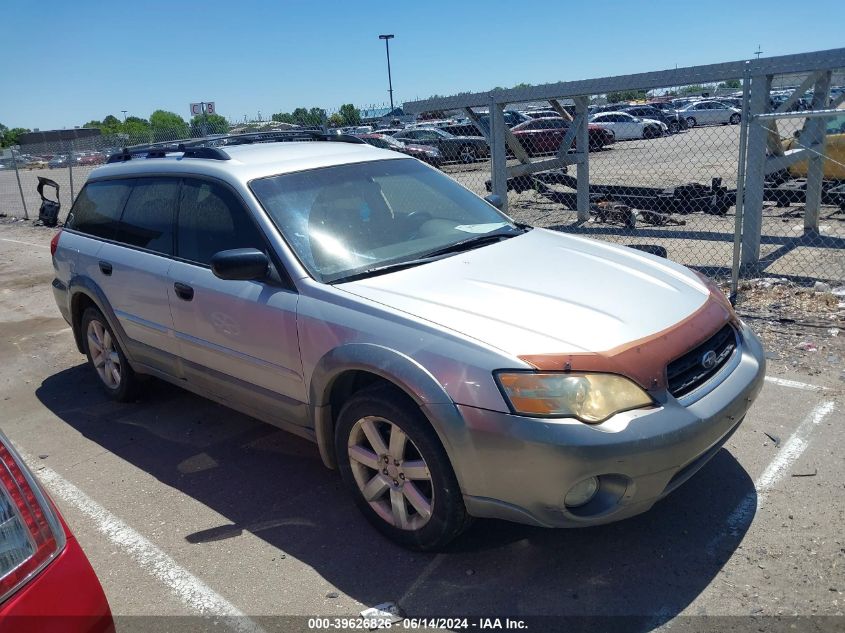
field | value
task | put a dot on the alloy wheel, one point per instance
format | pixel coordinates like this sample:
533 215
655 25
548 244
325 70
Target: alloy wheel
104 355
391 473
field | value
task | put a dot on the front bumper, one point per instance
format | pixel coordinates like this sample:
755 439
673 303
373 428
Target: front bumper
520 469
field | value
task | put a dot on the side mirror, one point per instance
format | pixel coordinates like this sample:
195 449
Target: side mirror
495 200
240 264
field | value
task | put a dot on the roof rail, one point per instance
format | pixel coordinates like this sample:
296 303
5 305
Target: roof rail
280 136
211 153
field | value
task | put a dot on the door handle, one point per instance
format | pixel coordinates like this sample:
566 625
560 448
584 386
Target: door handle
183 291
106 268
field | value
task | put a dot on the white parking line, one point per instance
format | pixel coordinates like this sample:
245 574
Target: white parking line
189 589
786 456
793 384
6 239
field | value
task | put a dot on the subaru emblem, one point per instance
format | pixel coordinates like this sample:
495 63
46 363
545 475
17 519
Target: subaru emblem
708 361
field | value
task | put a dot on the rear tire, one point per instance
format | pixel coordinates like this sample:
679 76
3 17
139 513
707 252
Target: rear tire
735 118
392 462
467 154
106 357
691 122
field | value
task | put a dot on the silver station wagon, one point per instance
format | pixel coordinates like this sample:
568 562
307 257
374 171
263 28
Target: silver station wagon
449 362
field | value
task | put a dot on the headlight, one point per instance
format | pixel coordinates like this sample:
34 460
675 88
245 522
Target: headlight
589 397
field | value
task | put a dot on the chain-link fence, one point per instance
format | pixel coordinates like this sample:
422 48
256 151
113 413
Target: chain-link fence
665 163
656 166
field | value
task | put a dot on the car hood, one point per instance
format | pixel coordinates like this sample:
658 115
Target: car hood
543 292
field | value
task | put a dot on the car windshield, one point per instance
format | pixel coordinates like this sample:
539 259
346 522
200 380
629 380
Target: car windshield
348 220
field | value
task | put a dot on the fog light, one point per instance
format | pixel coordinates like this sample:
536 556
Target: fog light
582 492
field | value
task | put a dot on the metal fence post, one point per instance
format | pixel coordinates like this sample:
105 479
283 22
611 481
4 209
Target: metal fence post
814 137
583 151
20 188
740 185
499 159
70 158
752 219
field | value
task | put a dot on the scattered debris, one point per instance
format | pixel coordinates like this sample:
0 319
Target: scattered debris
821 286
807 346
834 331
469 572
331 594
812 474
43 456
384 612
774 438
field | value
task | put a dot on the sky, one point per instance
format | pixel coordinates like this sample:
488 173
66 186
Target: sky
65 63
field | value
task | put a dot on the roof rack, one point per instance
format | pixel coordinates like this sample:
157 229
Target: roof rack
161 151
280 136
197 148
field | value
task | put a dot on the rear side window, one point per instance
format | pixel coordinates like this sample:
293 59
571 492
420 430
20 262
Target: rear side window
148 215
98 207
212 219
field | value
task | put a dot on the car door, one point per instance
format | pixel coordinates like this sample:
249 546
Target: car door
706 113
631 127
132 269
237 339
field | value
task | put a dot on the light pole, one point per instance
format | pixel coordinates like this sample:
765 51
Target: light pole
387 39
124 115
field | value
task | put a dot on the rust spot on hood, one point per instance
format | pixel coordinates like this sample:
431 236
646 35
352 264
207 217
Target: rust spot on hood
644 361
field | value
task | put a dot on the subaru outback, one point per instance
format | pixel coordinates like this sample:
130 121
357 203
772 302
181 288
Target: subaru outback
449 362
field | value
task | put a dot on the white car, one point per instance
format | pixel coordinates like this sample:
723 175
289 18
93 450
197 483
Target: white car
710 113
625 126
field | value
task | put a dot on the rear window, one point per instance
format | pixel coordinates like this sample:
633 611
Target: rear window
98 208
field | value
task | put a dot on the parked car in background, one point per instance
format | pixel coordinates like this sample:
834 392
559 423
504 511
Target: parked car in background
58 162
674 122
47 584
710 113
466 149
833 164
625 126
91 158
36 163
426 153
543 136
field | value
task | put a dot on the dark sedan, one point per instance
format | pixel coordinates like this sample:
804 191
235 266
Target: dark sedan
425 153
674 121
466 149
544 136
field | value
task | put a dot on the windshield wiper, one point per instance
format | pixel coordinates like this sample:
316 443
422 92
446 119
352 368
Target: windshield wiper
473 242
387 268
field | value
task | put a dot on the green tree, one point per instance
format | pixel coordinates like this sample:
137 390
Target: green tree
730 84
350 114
282 117
209 124
167 126
335 120
627 95
696 89
10 137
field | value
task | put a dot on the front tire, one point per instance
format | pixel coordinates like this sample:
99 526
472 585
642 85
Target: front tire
691 121
106 357
735 119
650 132
674 127
392 462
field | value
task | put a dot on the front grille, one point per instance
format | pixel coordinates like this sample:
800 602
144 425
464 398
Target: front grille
688 372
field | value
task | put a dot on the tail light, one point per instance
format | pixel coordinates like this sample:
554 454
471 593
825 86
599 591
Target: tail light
54 243
30 534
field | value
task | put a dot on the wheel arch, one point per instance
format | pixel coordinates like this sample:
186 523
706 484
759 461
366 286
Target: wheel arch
345 370
85 293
